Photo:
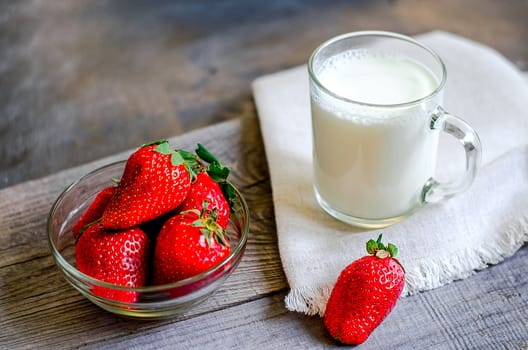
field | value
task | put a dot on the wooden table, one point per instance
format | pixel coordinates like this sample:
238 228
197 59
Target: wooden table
85 80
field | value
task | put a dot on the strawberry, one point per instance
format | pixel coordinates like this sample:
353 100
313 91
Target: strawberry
211 185
204 188
94 211
155 181
366 291
117 257
189 243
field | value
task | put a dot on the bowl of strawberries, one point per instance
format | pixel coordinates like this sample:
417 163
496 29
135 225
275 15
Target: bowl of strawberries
150 236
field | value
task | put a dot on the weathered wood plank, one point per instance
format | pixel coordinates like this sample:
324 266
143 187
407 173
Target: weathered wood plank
486 311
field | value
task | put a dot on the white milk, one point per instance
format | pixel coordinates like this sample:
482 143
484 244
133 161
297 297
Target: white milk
372 162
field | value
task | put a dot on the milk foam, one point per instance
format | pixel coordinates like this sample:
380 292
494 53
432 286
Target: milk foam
376 77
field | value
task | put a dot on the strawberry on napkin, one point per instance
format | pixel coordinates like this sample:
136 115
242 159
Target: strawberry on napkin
470 231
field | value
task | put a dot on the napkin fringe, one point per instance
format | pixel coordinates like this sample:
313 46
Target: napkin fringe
309 300
435 273
431 274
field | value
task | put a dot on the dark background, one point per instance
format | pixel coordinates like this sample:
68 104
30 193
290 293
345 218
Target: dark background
84 79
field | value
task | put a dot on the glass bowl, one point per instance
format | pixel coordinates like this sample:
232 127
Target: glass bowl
155 301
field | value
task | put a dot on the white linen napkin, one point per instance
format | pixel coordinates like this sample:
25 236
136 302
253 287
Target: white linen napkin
439 243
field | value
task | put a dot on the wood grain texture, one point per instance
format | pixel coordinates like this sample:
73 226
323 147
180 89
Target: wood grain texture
81 80
473 314
38 309
462 315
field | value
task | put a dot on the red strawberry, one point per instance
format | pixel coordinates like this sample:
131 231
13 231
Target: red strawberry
155 181
95 210
204 188
364 294
189 243
211 185
117 257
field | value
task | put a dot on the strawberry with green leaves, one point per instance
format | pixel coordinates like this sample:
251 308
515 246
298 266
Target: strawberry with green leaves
366 291
204 188
189 243
211 185
155 181
94 211
117 257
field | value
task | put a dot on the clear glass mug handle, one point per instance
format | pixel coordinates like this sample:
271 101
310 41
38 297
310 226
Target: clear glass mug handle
435 191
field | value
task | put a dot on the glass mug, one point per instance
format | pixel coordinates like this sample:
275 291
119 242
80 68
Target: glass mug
376 118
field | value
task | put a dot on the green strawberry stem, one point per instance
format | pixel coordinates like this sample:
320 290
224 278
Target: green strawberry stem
207 156
209 227
378 249
375 247
219 173
216 169
157 142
